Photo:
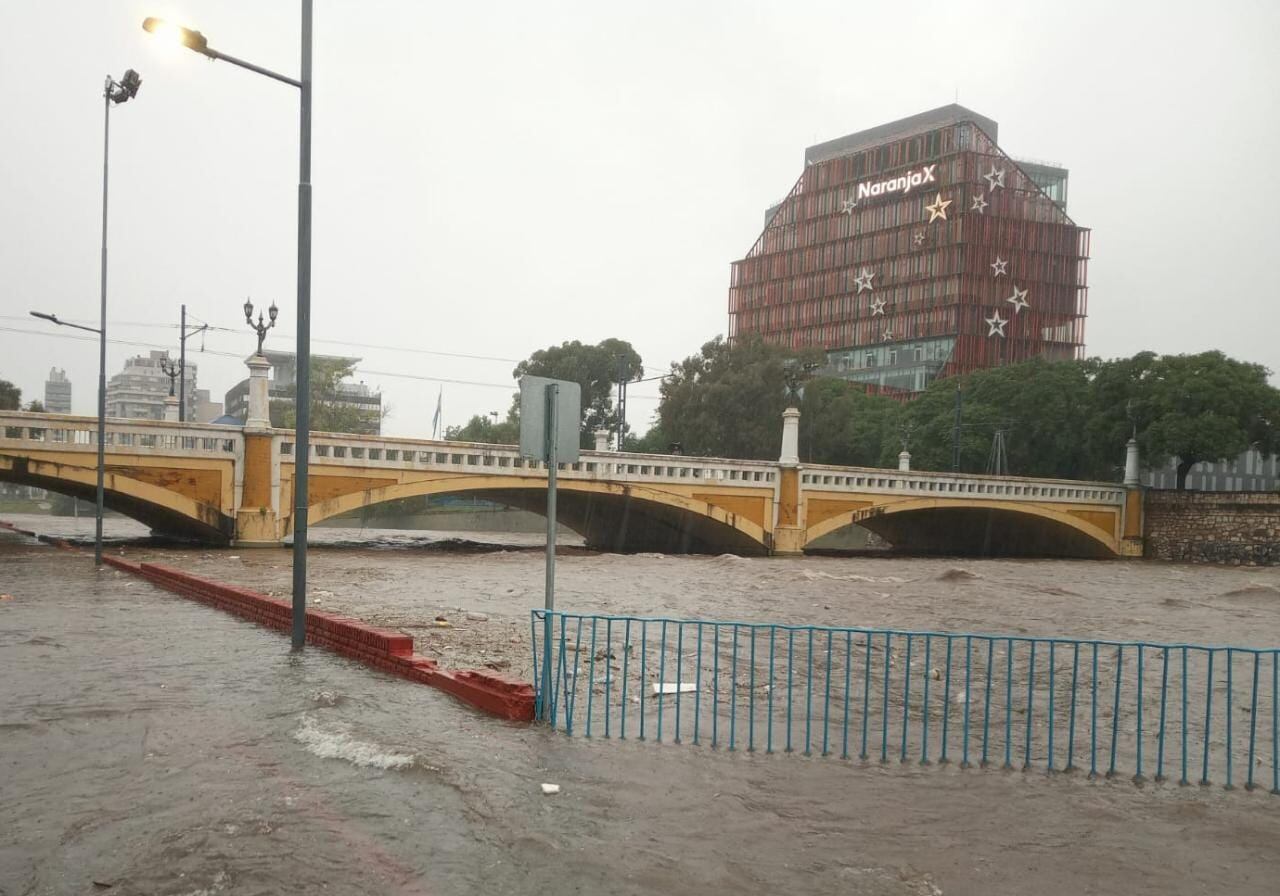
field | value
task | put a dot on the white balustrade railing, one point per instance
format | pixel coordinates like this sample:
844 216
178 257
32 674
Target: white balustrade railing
951 485
500 460
64 432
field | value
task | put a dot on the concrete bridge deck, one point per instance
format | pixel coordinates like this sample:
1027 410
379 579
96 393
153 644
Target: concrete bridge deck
234 485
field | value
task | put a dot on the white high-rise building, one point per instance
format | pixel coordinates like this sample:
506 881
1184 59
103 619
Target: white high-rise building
57 392
140 389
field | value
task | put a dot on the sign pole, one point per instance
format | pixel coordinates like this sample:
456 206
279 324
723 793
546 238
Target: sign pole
553 397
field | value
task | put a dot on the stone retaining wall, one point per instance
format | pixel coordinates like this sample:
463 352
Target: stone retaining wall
1235 528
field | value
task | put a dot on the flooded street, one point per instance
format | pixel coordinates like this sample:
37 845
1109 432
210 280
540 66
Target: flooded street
158 746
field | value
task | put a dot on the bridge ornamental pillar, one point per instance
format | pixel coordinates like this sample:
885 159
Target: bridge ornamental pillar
258 517
602 439
904 462
1131 544
790 437
788 530
1131 473
259 406
171 409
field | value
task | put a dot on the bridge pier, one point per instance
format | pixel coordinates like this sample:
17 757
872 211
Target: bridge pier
788 531
1131 543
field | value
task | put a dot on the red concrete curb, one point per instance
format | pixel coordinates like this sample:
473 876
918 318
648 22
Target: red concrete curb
388 651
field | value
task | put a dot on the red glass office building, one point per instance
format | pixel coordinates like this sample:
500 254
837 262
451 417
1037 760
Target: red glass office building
915 250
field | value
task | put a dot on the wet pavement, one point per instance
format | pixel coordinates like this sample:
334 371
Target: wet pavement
158 746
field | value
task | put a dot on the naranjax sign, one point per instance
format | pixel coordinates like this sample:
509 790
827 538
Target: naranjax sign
903 183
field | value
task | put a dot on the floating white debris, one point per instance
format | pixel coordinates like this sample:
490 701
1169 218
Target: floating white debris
550 789
668 688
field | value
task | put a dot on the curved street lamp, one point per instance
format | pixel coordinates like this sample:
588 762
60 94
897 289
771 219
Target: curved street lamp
197 42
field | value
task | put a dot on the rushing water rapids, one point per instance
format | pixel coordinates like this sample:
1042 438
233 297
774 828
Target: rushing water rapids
159 746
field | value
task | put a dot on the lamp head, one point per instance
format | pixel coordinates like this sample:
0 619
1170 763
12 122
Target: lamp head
176 34
248 310
272 312
130 83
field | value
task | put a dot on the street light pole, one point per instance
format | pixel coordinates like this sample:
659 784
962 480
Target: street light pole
102 335
196 41
302 435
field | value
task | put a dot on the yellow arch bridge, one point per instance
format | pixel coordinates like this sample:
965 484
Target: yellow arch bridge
231 485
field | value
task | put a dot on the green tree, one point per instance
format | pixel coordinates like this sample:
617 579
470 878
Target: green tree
36 406
596 368
1042 407
10 396
841 424
332 410
727 400
1201 407
483 428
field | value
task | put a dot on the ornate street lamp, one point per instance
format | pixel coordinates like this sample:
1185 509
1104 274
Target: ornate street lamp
170 369
260 328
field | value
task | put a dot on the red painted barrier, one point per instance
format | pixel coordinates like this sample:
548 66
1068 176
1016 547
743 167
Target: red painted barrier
389 651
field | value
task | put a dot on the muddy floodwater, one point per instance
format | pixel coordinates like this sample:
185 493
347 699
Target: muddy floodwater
154 745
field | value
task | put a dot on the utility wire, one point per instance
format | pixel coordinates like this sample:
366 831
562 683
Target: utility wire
343 342
363 371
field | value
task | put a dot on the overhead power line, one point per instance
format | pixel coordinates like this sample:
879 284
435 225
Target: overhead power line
342 342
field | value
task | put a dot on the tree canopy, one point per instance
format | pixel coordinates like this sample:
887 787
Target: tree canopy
1201 407
596 368
331 410
1058 419
10 396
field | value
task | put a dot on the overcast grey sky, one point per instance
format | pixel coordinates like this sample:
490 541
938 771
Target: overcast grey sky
494 178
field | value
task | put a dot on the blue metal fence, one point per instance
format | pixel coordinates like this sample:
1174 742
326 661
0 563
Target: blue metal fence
1180 712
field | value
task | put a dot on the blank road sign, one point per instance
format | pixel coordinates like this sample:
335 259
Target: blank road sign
533 418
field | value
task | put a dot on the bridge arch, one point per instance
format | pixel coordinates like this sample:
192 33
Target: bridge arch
163 510
609 515
950 527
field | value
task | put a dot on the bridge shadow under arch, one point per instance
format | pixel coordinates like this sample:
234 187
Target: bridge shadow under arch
609 516
164 511
986 529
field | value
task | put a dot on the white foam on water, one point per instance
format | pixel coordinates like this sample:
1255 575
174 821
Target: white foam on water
814 575
335 742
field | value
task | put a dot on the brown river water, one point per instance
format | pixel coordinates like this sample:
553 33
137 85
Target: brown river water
155 745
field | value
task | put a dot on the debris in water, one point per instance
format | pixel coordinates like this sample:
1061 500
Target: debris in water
498 665
956 574
550 789
668 688
6 597
234 557
441 622
935 674
477 617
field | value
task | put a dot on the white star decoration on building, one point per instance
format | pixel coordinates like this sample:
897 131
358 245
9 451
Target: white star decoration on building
999 266
995 178
863 280
1018 300
938 209
888 336
877 306
979 205
917 239
847 206
996 324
